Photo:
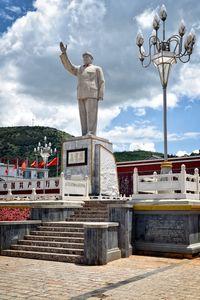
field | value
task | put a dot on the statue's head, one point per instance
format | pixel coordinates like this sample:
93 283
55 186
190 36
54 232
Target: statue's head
87 58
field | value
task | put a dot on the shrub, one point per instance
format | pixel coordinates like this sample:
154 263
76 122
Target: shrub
14 214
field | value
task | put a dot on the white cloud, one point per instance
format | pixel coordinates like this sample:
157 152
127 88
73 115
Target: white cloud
188 84
106 115
117 147
142 146
134 133
143 136
155 101
14 9
183 136
34 84
145 19
140 112
196 151
6 16
182 153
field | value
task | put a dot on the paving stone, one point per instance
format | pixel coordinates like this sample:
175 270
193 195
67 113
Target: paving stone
137 277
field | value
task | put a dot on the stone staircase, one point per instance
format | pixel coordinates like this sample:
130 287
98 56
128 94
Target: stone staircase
60 241
92 211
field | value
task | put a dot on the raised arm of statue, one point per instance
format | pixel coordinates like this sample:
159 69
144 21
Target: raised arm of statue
65 60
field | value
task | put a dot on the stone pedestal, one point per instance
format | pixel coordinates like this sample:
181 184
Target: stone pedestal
101 243
167 228
93 157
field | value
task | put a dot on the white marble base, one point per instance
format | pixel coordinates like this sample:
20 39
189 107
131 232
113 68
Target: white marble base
93 157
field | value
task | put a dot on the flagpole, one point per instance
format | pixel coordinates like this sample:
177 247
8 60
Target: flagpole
7 168
57 165
17 167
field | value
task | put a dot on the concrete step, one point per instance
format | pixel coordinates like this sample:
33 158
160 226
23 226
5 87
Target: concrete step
63 224
69 258
92 209
52 244
62 229
91 213
88 219
47 249
57 233
54 238
89 203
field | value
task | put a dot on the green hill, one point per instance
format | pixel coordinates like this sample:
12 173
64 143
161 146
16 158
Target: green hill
19 142
136 155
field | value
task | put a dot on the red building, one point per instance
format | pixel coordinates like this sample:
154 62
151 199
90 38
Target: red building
125 169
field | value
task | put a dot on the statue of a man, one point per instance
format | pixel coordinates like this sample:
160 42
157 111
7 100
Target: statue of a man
90 89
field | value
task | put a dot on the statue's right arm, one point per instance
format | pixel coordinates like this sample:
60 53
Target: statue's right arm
66 62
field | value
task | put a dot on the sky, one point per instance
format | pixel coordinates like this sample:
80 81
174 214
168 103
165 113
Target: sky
35 89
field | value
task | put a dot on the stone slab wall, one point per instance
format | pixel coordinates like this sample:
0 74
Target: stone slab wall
11 232
123 214
101 243
51 213
167 231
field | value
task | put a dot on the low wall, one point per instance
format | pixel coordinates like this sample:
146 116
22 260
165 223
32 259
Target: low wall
169 230
101 243
11 232
54 213
51 211
166 228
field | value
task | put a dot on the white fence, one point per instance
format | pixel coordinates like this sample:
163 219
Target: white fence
75 186
20 185
57 185
170 183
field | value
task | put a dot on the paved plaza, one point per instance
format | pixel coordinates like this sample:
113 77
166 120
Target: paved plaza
137 277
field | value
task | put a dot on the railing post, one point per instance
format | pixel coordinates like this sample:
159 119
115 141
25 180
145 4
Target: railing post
34 194
155 179
135 181
196 173
62 185
9 195
183 179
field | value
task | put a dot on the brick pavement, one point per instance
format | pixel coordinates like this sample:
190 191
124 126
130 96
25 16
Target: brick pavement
137 277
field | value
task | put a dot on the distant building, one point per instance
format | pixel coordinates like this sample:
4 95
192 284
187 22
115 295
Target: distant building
9 172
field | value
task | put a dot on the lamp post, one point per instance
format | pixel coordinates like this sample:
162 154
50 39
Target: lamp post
45 151
163 54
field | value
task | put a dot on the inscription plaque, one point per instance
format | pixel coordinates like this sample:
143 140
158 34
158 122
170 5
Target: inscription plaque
77 157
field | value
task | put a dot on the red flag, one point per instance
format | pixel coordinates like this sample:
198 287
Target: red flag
15 166
41 164
6 171
53 162
23 166
34 164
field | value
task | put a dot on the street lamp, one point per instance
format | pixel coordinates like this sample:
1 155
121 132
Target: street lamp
45 151
163 54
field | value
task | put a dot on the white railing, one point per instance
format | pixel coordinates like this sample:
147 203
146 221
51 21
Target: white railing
20 185
170 183
34 188
74 186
